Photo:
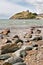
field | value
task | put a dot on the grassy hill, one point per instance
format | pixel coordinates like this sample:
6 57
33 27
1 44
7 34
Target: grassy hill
24 15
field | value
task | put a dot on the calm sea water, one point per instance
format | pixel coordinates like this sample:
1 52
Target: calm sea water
19 23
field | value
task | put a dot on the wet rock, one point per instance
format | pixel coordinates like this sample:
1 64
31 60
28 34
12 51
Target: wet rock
27 35
35 45
6 63
16 40
9 41
20 63
29 48
35 48
8 48
16 36
38 31
37 38
23 53
19 44
17 53
5 56
14 60
5 32
27 41
5 40
19 40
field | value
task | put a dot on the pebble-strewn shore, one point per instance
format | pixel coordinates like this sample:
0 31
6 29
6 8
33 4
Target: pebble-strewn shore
21 46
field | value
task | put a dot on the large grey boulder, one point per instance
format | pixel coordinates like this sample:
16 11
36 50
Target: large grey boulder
17 53
23 53
5 56
19 63
9 48
14 60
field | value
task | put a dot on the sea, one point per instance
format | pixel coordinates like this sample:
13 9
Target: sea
19 27
24 23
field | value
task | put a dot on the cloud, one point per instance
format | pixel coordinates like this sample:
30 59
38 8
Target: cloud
37 3
10 7
33 1
7 8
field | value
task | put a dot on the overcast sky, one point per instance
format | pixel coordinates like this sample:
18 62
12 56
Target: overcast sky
10 7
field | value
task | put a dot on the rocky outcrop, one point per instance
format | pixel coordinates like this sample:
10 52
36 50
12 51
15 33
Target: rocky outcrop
9 47
24 15
14 60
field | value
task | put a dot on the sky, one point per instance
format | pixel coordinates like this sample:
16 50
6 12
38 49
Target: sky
10 7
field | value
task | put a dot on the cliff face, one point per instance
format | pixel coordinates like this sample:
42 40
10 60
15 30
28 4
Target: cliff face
24 15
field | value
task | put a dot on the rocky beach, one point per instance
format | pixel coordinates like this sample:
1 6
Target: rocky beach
21 46
21 32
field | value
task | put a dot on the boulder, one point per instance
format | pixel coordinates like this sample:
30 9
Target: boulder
16 40
20 63
6 63
5 40
8 48
14 60
23 53
35 48
36 38
38 31
5 32
29 48
35 45
5 56
27 41
16 36
19 44
27 35
19 40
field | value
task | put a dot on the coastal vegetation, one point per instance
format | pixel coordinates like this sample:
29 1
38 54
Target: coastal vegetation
24 15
